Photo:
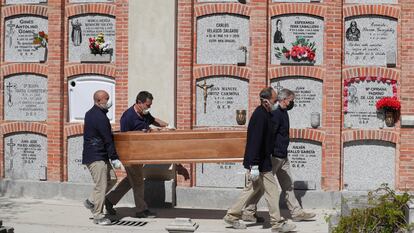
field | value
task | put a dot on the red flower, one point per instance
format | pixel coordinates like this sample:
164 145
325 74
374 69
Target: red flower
388 103
42 34
311 56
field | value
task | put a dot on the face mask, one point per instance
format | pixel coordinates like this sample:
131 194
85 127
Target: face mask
106 106
145 111
273 106
290 106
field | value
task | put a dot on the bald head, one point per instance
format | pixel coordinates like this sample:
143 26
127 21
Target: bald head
99 96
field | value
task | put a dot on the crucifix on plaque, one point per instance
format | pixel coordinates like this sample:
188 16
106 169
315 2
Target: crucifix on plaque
11 153
205 88
278 87
9 93
10 32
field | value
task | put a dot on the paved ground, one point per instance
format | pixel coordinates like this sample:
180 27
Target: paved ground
68 216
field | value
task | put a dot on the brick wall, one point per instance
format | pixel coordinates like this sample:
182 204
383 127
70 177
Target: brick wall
332 72
258 72
58 70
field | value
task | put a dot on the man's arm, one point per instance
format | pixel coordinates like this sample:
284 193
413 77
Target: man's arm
159 123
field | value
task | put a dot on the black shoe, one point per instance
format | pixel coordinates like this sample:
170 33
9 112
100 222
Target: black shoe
88 205
146 214
109 207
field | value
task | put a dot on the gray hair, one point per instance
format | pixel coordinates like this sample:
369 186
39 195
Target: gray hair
284 94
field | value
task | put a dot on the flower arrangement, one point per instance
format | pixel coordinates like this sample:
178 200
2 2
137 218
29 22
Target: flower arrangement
388 104
302 50
41 39
348 82
98 45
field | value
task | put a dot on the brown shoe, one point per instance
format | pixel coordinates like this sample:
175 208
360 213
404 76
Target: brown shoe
303 216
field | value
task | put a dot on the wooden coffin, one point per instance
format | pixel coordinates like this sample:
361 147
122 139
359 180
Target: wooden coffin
180 146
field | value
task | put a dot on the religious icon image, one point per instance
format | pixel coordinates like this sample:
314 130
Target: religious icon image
76 35
9 93
10 32
353 33
12 155
278 36
205 88
352 97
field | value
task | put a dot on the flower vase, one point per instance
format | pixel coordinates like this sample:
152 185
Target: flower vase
389 118
290 61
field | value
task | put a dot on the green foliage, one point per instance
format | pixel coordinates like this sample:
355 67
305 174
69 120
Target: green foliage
385 214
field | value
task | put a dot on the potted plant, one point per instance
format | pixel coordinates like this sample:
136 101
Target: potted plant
390 106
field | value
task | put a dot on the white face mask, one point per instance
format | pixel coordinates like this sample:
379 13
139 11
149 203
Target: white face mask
145 111
274 106
107 106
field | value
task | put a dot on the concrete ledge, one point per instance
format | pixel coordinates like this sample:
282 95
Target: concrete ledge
162 194
223 198
157 193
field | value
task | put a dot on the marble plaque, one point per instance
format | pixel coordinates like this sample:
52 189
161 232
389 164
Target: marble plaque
369 40
217 100
77 172
25 97
81 90
25 1
308 99
89 1
83 27
222 39
361 99
20 32
25 156
368 164
223 175
305 159
297 39
373 1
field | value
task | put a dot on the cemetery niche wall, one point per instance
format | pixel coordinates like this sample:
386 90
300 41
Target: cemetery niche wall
305 157
219 98
25 156
223 39
81 89
360 97
77 172
25 97
297 39
368 164
308 100
92 38
370 40
26 38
